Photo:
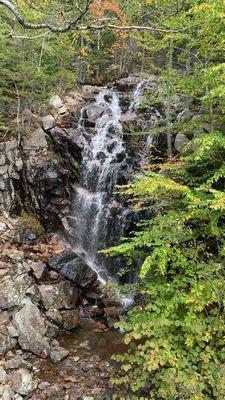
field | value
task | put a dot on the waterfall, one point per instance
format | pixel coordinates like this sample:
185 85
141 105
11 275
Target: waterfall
96 211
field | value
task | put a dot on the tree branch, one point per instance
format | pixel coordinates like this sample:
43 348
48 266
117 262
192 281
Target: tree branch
30 37
74 25
58 29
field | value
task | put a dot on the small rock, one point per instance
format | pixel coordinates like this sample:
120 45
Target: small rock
54 275
13 332
48 122
6 343
17 362
6 392
13 254
57 354
55 316
39 270
43 385
3 375
70 319
56 102
22 382
29 235
4 317
3 227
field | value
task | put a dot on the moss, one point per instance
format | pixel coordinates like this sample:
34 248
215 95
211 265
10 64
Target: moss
29 221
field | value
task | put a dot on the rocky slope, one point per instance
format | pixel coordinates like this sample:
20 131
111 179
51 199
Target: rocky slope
47 290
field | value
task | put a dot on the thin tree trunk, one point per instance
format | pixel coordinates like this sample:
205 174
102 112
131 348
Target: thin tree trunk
168 108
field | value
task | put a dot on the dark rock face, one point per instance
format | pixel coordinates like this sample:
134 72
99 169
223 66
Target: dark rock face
73 268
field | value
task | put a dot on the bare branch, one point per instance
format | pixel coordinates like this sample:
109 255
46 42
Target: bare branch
30 37
59 29
129 27
75 25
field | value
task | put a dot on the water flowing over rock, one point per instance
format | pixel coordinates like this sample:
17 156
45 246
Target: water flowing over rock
96 216
71 266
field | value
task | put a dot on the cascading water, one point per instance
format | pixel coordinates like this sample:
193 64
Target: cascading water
102 160
96 211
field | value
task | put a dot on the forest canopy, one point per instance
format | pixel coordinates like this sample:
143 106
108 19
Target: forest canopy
176 334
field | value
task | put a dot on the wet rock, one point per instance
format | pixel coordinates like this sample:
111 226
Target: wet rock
51 178
22 382
180 142
74 268
13 293
57 354
111 300
112 315
48 122
32 329
58 296
93 112
70 319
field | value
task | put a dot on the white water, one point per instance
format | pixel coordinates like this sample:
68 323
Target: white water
96 211
93 201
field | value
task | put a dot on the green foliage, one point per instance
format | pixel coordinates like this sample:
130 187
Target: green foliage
177 334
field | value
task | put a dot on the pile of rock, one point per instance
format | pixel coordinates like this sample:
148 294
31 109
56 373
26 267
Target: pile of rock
40 300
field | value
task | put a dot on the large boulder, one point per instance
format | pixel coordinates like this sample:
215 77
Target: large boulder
35 141
32 329
91 113
71 266
180 142
62 295
127 83
13 292
130 122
